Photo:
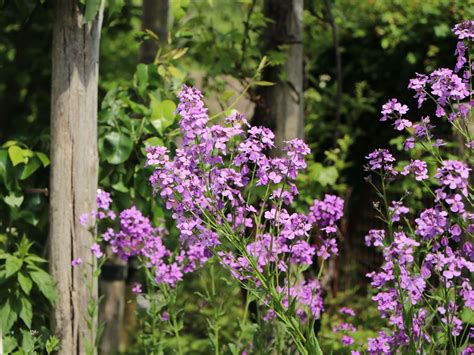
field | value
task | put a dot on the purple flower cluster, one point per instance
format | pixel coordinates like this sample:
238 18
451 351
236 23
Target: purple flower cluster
208 185
308 295
464 30
103 201
419 168
137 237
423 285
393 107
396 210
442 84
381 161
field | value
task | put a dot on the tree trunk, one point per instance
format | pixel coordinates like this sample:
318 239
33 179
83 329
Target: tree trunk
155 17
74 167
280 107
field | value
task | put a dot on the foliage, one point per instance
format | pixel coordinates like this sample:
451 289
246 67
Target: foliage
23 279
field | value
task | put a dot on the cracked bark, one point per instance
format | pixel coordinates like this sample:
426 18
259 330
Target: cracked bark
74 167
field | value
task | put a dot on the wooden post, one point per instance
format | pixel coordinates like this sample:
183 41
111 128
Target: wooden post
155 17
74 167
280 107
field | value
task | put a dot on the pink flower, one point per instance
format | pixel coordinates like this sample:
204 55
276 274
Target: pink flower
83 219
95 249
137 288
76 262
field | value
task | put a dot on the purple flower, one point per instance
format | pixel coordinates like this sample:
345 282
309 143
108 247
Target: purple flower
380 345
422 129
418 168
397 209
418 84
375 238
103 200
453 175
302 253
95 249
409 144
464 30
460 52
393 107
76 262
137 288
326 212
380 160
347 310
401 124
446 86
431 223
193 114
83 219
347 340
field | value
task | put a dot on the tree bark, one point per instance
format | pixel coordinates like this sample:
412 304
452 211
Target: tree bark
280 107
155 17
74 168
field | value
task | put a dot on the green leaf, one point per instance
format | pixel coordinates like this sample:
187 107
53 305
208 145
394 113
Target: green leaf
117 147
43 158
9 143
14 199
162 113
175 72
262 64
115 6
45 284
264 83
25 282
17 155
6 169
153 142
52 344
12 265
35 259
27 342
32 165
467 316
7 316
141 78
26 311
92 8
9 344
120 186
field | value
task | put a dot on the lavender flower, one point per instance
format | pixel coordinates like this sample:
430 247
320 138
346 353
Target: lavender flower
393 107
96 251
380 160
431 223
464 30
419 168
76 262
397 209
